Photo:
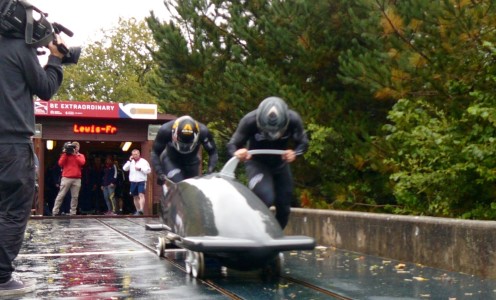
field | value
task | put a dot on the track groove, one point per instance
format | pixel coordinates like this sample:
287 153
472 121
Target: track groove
211 283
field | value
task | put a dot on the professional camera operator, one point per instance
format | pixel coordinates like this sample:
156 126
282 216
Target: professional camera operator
21 77
71 162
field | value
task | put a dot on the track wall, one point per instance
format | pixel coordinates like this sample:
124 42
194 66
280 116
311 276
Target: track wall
451 244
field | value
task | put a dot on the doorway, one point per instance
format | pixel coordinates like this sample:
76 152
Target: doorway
91 201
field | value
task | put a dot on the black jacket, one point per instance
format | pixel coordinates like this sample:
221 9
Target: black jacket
163 146
22 77
247 135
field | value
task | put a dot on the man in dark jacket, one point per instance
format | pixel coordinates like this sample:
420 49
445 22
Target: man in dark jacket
21 77
271 126
109 182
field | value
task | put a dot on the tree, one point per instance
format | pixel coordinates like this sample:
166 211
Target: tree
218 59
417 48
113 69
438 57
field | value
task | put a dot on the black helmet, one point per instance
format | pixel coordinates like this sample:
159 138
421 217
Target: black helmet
185 134
272 117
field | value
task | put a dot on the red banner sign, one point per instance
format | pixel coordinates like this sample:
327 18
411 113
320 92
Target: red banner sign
95 110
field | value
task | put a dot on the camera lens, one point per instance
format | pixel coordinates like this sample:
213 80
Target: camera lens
72 56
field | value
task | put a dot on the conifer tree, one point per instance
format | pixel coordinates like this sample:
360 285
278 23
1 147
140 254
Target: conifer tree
218 59
436 56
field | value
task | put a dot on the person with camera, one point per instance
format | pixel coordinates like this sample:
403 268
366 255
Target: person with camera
21 78
71 162
138 168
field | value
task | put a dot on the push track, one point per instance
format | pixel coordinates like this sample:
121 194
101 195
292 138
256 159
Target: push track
211 283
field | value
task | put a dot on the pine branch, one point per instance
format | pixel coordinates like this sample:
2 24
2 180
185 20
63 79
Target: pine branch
382 8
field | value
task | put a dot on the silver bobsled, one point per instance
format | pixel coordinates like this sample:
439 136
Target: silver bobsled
216 217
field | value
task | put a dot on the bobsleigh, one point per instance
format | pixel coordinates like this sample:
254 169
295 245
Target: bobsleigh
217 218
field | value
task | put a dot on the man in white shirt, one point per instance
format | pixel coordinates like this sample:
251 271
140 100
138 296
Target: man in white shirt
138 169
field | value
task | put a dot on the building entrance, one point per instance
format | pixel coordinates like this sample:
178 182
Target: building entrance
91 200
102 129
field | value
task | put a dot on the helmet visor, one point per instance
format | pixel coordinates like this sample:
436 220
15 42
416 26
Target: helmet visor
273 135
184 147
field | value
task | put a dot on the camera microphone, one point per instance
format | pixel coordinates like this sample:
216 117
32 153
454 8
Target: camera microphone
61 28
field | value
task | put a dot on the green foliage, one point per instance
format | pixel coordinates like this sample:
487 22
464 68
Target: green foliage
445 166
218 59
438 57
113 69
416 47
343 65
206 65
352 176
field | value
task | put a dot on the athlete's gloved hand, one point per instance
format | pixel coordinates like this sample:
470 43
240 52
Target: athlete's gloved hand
289 156
242 154
161 179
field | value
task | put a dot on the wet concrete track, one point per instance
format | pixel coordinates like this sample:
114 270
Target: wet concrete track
113 258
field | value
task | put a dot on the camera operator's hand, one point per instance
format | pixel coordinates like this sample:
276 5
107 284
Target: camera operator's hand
54 50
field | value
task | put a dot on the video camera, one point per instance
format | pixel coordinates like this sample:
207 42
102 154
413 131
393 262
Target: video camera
17 21
69 148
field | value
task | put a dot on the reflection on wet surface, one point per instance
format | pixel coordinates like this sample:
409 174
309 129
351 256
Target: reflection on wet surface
83 259
91 258
359 276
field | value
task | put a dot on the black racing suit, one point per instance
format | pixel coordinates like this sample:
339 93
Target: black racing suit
269 176
178 166
21 77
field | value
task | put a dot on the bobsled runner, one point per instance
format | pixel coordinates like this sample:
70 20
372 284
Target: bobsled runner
216 218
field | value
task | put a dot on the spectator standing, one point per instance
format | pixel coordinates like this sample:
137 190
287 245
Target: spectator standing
71 162
52 186
21 77
138 168
89 182
109 181
119 188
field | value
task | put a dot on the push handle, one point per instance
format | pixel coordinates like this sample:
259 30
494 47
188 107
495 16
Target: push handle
231 165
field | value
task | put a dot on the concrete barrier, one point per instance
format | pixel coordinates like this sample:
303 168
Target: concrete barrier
451 244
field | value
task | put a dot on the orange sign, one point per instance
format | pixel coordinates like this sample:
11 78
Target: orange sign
96 129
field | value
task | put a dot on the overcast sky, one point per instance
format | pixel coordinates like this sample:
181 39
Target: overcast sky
85 18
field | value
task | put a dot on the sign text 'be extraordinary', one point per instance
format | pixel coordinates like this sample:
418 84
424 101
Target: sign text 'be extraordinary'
95 110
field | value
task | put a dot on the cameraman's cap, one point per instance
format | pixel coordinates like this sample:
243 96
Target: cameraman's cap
76 144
